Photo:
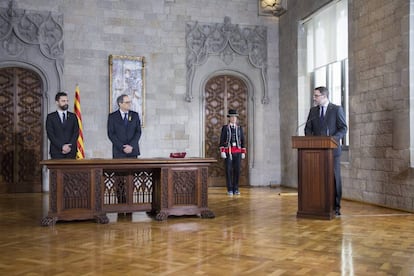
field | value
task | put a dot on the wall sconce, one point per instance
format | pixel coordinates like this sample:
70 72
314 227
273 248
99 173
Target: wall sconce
272 7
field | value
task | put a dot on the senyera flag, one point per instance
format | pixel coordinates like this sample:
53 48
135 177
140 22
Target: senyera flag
80 154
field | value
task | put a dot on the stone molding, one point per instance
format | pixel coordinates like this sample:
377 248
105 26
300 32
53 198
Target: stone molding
22 29
225 40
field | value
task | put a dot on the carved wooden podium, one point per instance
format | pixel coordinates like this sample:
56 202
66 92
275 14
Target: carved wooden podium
316 187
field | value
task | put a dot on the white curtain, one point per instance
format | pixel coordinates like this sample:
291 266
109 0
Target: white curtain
327 36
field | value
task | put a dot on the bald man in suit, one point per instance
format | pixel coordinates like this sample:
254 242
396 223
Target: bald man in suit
328 119
124 130
62 129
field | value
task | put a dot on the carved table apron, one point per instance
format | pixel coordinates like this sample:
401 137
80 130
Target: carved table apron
91 188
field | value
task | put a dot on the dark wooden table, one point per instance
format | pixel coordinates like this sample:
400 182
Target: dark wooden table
91 188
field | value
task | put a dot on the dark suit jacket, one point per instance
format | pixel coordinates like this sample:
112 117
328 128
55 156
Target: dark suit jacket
225 136
121 135
334 124
60 134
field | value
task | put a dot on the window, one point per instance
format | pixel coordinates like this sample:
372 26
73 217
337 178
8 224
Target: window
323 58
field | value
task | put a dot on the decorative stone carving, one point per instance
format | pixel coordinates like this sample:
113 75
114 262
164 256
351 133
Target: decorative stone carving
21 29
225 40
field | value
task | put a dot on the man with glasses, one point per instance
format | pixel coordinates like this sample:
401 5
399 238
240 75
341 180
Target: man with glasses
124 129
328 119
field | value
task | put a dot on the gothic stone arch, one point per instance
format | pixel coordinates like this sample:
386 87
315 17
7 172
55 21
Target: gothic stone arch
34 40
228 42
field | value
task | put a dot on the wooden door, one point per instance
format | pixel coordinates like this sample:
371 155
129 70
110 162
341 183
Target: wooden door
222 93
21 131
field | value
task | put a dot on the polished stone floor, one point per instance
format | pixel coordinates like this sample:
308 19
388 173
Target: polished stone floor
256 233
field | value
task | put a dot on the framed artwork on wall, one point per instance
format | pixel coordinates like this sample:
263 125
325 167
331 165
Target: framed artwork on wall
127 76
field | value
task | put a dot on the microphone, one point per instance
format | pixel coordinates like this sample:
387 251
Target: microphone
301 125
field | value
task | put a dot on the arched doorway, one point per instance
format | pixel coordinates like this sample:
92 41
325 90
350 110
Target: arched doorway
21 130
222 93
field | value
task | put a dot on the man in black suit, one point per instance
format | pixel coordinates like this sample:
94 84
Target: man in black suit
328 119
62 129
124 129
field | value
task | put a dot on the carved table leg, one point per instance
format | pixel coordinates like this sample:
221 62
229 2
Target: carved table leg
102 219
47 221
207 214
162 215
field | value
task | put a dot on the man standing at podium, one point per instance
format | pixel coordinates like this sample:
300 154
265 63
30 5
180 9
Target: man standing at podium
328 119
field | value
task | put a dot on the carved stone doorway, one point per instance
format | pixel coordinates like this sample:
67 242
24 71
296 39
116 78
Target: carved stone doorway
21 130
222 93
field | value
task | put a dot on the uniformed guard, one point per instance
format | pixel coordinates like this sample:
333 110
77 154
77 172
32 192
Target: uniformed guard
232 150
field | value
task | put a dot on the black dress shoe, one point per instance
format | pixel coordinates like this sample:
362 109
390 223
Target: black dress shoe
337 213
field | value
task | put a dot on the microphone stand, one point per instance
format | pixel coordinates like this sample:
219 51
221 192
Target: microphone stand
301 125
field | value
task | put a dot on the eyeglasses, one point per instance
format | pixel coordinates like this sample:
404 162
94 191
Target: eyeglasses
127 102
317 95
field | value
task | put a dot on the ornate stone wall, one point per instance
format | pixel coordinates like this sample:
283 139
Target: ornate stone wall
93 30
379 170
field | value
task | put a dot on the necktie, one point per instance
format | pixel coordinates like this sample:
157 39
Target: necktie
322 114
63 117
125 119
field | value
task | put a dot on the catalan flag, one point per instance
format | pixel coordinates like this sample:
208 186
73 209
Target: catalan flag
80 154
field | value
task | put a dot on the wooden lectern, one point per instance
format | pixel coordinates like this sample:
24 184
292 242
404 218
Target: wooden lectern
316 186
